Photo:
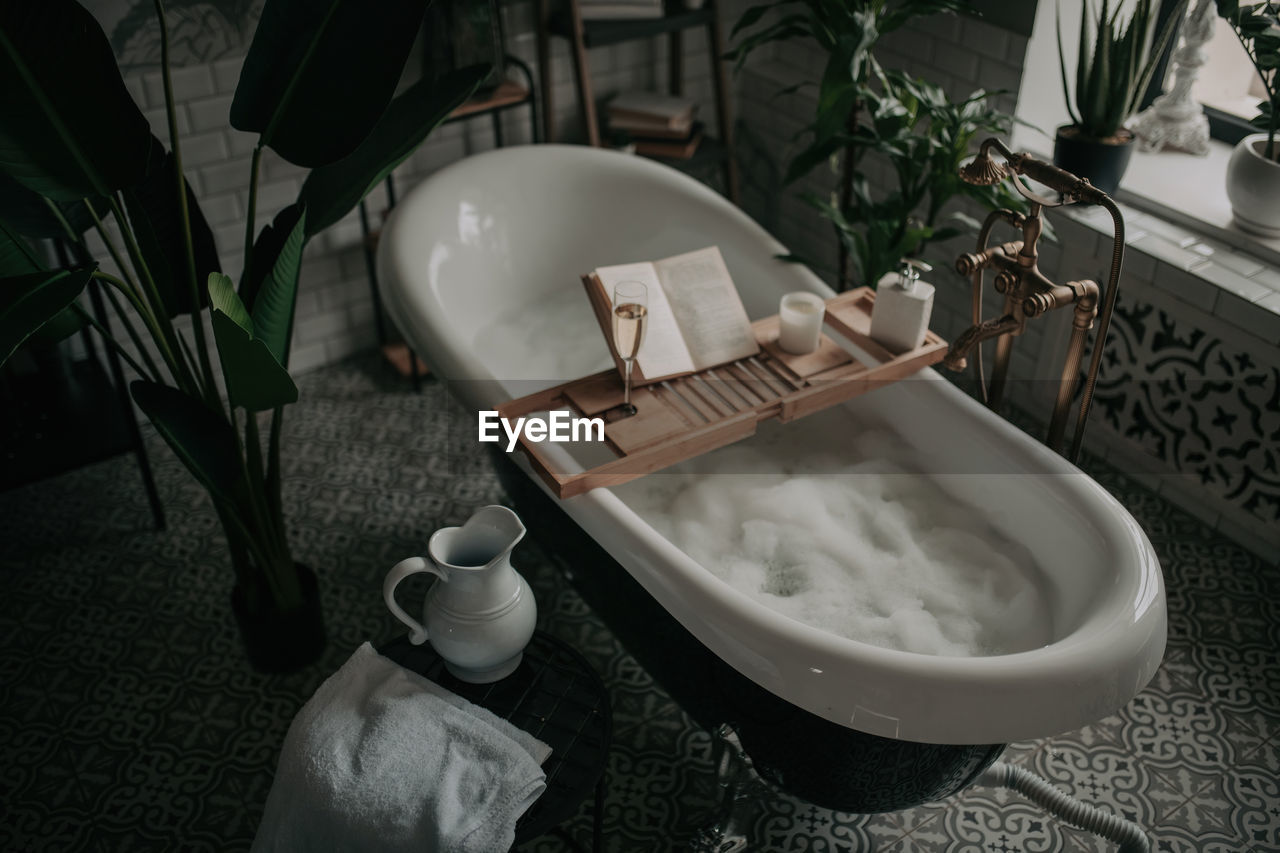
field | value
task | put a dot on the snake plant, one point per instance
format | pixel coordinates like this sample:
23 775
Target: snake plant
1115 61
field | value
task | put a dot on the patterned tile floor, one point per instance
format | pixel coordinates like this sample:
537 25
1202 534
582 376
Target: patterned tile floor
129 719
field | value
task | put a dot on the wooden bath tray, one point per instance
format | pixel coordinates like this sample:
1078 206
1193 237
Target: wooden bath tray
685 417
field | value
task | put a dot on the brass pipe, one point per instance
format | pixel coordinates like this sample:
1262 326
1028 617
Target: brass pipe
1004 350
980 263
1104 324
1086 310
1013 288
973 265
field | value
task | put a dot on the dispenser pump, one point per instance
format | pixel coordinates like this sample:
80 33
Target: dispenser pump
900 317
910 274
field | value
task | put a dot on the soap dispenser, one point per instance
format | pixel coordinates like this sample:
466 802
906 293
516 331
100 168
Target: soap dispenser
900 317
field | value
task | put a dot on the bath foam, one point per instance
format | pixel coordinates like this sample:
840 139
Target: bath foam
850 542
524 341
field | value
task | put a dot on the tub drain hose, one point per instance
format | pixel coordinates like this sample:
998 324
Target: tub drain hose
1127 834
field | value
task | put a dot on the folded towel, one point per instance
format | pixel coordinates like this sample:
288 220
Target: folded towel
383 759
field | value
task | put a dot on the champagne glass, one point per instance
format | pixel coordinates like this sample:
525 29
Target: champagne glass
630 317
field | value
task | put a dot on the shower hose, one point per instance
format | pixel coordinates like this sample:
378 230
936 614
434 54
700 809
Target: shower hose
1127 834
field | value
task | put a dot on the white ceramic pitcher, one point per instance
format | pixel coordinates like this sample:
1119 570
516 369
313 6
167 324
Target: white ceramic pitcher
480 614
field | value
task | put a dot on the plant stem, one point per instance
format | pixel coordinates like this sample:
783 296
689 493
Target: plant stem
127 290
249 216
110 340
843 281
145 310
269 542
112 250
273 467
253 463
202 351
186 380
117 284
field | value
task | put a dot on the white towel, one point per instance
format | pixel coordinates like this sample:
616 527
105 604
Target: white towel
383 759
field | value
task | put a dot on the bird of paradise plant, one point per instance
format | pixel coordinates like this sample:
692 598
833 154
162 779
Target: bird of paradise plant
318 87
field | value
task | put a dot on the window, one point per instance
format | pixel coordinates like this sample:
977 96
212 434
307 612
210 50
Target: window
1227 85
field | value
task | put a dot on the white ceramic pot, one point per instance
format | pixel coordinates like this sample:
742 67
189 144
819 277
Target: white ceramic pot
1253 186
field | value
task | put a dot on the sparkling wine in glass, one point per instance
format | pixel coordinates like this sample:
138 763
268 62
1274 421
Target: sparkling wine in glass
630 317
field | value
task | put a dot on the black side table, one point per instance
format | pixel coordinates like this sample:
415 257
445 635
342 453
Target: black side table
558 698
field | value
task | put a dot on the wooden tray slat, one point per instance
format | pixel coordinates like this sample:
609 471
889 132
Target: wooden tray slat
691 415
712 395
691 398
743 374
733 389
776 383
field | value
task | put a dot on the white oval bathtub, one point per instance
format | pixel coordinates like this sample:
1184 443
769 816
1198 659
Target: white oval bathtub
479 268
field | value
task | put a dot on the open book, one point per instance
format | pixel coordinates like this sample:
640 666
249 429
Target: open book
695 317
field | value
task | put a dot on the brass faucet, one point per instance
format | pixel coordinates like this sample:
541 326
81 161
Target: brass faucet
1027 292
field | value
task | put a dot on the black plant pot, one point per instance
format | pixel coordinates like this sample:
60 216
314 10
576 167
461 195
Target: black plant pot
279 641
1102 161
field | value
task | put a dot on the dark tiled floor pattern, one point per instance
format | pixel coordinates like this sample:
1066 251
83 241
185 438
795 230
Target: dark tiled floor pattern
129 719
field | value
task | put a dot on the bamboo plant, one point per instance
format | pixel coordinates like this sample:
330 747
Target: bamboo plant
1257 26
75 152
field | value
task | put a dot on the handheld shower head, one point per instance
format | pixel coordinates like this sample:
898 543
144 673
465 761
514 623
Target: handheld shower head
983 171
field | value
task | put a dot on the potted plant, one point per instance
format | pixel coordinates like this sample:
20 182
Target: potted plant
862 108
847 33
1115 60
1253 173
75 151
924 138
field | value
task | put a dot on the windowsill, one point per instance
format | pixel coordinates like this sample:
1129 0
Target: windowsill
1176 212
1191 191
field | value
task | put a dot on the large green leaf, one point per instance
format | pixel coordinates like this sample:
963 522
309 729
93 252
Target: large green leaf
18 259
273 307
27 212
222 296
203 441
266 250
255 379
157 224
330 192
16 256
320 72
29 301
70 129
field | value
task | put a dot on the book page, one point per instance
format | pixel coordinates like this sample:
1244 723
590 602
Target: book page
706 307
663 351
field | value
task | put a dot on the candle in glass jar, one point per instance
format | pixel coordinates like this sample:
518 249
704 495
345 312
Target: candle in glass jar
800 322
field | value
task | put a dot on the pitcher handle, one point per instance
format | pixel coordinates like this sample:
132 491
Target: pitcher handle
400 571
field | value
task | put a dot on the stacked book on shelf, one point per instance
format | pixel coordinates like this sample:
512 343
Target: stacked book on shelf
619 10
658 125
